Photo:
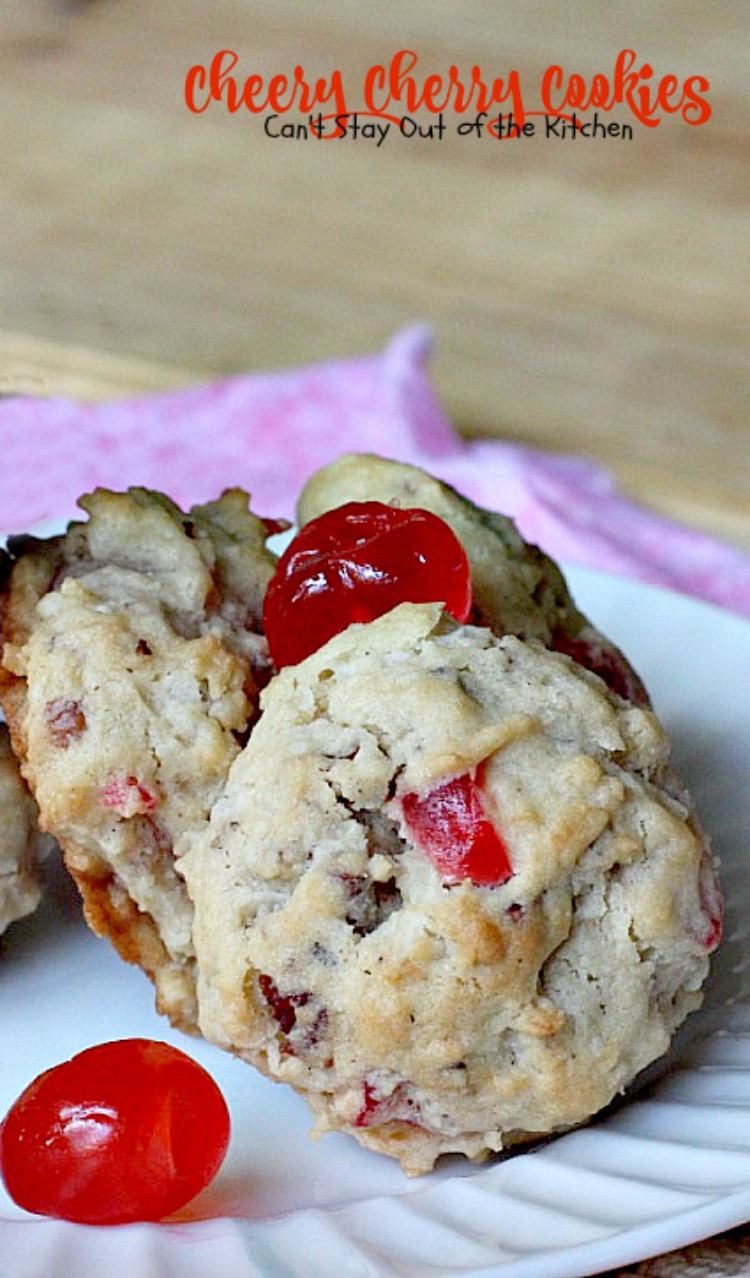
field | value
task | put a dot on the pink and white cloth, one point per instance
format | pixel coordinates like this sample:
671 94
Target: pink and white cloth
266 432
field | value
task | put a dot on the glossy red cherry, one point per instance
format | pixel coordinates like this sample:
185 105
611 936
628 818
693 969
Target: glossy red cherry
356 563
125 1131
451 827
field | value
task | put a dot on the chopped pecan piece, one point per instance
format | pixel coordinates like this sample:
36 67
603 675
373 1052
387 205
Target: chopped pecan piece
65 720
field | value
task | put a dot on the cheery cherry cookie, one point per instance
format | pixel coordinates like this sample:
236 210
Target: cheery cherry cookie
517 589
22 847
445 894
132 660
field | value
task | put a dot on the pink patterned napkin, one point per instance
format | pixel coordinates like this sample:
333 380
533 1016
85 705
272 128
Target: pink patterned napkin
267 432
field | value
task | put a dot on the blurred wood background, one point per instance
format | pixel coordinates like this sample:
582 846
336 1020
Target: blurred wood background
586 296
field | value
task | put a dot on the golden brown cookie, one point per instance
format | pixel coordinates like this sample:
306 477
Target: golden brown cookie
131 664
518 589
444 892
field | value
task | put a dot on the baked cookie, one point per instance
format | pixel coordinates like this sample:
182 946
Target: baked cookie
21 846
444 892
517 589
132 661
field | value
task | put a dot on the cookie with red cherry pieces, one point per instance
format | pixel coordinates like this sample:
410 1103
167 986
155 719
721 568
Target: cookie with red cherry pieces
445 894
517 589
22 847
132 657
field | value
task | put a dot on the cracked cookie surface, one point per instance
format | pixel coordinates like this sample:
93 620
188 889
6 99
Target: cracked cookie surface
132 661
421 1014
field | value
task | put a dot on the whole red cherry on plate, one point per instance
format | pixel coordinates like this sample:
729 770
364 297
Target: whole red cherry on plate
355 563
125 1131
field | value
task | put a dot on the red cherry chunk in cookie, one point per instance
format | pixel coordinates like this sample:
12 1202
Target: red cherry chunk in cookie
283 1006
125 1131
397 1107
355 563
450 825
129 796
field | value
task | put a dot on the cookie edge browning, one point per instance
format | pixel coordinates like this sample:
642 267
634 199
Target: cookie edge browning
107 909
25 846
112 914
28 573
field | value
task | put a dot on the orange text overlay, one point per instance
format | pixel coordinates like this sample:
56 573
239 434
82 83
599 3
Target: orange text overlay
401 86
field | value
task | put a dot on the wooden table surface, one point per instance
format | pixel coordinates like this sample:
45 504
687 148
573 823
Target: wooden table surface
587 296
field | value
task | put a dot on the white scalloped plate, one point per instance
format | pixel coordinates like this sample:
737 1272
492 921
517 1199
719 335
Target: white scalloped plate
665 1169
